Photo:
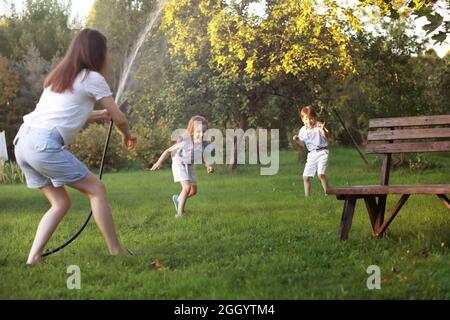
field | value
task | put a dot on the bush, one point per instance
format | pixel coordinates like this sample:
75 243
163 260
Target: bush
151 142
409 161
89 144
413 162
10 172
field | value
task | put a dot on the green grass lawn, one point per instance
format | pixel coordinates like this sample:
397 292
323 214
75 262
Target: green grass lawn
246 237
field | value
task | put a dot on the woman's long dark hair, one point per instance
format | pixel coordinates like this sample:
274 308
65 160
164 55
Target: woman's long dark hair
87 50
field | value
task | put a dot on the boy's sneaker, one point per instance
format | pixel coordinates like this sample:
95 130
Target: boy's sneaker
175 201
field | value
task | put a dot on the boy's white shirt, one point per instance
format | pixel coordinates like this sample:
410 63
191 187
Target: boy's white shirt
313 137
69 111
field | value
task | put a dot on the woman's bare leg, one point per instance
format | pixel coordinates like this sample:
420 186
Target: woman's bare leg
94 188
60 204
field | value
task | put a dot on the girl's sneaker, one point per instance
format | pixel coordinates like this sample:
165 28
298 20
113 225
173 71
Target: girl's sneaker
179 215
175 201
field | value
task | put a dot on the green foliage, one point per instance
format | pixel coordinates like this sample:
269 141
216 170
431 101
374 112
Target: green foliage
9 109
42 23
31 42
89 143
414 162
10 173
32 70
411 162
8 89
8 83
23 88
402 9
237 68
291 39
395 78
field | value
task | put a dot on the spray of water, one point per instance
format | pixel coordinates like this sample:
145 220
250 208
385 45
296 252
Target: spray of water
140 41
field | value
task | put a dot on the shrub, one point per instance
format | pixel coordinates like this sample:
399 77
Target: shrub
409 161
89 144
152 141
413 161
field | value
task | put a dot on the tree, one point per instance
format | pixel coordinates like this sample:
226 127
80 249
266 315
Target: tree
395 78
43 24
9 82
31 41
431 9
32 70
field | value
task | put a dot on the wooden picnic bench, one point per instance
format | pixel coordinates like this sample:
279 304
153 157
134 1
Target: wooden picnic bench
387 136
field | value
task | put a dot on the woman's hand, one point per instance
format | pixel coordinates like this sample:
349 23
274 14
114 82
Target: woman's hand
104 115
129 142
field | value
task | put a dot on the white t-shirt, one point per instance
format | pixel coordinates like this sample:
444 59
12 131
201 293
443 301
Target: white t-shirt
188 150
68 111
312 137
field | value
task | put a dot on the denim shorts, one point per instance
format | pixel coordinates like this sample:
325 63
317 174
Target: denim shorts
42 156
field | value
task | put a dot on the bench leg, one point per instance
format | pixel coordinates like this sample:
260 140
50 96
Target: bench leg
445 200
347 217
379 232
381 209
372 210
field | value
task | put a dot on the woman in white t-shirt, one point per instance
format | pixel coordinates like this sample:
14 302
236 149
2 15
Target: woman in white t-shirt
66 104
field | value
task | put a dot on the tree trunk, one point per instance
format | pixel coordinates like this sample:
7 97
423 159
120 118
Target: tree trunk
242 125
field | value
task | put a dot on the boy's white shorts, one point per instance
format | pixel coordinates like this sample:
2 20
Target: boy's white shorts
183 172
316 161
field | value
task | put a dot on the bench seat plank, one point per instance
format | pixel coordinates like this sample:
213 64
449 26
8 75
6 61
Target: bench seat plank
437 146
408 134
391 189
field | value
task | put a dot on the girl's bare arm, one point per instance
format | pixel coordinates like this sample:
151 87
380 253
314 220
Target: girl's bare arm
299 141
164 156
324 130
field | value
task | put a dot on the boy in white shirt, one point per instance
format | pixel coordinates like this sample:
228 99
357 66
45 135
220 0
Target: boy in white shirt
314 136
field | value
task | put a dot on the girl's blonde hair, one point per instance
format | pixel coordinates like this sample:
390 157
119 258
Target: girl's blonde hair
308 111
191 124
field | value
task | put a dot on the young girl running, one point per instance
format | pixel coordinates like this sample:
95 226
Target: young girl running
183 166
66 104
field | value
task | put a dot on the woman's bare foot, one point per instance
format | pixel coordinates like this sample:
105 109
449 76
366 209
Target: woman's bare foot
36 260
123 251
